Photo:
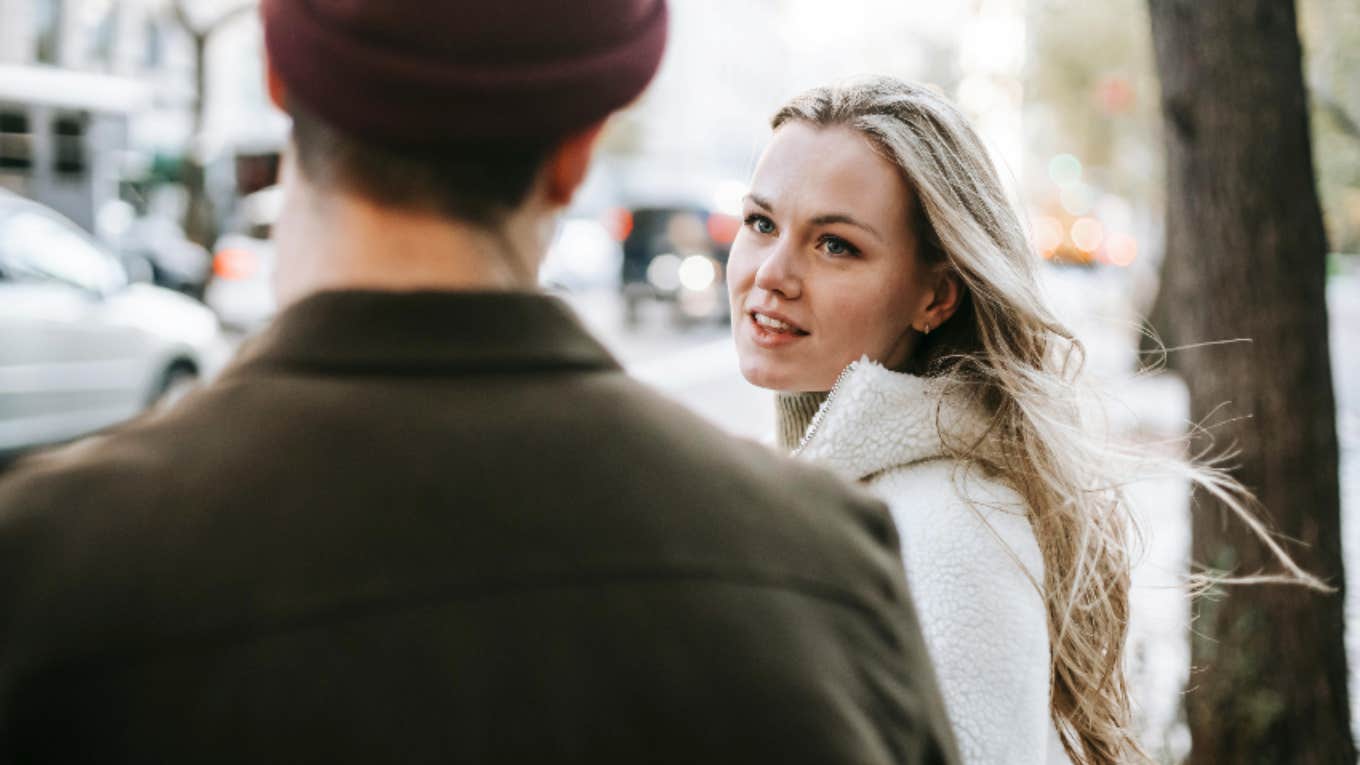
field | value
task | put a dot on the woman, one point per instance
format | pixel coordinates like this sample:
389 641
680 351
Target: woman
885 287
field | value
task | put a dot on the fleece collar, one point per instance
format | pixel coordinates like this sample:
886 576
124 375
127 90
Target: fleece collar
875 419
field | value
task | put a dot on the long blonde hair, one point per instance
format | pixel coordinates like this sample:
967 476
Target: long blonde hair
1006 349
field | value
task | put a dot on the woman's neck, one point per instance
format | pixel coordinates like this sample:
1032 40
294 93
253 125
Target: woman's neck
793 415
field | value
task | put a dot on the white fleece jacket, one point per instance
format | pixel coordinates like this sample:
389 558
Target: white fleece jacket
967 546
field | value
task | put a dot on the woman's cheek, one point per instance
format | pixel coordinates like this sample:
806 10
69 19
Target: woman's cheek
740 270
840 320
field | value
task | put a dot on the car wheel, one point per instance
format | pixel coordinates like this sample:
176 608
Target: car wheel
175 385
630 312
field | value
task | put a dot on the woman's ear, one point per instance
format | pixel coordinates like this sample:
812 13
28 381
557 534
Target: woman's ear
945 296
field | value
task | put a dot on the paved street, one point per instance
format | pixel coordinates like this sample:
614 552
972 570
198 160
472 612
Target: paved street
1343 302
697 365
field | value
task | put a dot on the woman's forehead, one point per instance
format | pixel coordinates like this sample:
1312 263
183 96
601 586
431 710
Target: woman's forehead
814 171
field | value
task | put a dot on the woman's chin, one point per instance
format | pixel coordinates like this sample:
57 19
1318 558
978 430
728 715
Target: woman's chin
769 376
754 372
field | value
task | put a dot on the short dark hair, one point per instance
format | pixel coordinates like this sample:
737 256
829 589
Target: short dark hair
474 181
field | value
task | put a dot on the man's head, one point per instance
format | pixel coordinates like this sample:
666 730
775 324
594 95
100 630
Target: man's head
478 182
469 112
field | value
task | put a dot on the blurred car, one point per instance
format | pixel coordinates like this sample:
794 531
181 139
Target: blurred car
173 260
153 248
241 290
81 347
676 255
584 256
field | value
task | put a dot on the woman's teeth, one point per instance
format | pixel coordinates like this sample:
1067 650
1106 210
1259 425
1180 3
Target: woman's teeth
774 324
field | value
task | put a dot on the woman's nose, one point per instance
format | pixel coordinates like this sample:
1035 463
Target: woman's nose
779 272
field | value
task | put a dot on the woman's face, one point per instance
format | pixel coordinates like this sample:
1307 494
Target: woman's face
825 269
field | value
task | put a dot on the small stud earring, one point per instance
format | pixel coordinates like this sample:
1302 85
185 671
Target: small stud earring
926 331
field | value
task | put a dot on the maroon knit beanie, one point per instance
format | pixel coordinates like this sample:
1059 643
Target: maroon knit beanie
441 71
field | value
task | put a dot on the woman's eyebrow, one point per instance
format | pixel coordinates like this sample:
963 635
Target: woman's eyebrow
760 201
821 220
829 218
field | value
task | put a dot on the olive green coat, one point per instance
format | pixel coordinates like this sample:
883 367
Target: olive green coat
440 527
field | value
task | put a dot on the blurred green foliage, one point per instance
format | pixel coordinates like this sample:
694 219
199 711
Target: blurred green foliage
1331 38
1092 89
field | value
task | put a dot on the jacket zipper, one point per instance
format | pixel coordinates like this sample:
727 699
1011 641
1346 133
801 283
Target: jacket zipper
825 407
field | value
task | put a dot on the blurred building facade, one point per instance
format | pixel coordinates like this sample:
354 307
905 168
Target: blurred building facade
98 92
71 83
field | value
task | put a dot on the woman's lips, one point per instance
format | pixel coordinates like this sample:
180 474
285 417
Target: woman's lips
772 332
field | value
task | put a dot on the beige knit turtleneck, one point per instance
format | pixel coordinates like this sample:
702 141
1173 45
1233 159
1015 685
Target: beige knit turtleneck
793 415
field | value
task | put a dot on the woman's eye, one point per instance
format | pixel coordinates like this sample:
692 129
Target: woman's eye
837 246
760 224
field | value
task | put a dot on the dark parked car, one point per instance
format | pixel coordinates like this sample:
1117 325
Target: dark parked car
676 255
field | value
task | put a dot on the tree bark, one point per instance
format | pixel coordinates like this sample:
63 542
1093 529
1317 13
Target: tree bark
1246 256
200 218
200 221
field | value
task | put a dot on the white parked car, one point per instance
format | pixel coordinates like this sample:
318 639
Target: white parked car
80 347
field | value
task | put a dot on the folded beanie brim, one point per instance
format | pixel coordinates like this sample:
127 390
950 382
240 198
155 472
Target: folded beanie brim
376 91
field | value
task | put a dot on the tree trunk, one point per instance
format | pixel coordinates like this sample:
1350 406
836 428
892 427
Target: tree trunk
200 220
1246 256
200 224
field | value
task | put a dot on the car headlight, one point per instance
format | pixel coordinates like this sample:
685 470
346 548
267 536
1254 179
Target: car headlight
698 272
664 272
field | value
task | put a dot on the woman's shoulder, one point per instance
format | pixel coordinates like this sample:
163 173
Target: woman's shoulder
951 513
976 576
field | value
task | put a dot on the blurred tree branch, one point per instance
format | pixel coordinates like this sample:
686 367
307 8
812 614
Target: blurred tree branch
205 31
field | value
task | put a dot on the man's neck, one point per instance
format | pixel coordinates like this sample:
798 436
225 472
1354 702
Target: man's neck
335 241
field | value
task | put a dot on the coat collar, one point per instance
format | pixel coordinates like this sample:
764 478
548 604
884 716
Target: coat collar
425 332
876 419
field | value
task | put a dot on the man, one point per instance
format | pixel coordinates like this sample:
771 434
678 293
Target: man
425 517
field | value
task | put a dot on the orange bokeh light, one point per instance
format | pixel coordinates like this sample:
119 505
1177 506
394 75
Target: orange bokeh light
1121 250
723 228
619 223
1087 234
1048 235
235 264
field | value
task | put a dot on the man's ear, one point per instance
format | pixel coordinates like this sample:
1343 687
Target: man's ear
278 95
569 163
